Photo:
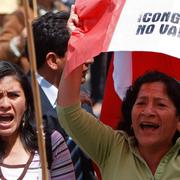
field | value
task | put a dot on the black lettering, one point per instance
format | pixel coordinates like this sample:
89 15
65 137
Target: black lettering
147 17
172 31
141 29
139 19
150 29
145 29
163 28
165 16
156 17
178 33
175 18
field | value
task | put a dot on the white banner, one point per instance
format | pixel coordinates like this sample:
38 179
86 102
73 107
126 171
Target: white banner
148 25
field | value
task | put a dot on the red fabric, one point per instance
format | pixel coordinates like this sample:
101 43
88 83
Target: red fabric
143 61
97 23
110 111
98 19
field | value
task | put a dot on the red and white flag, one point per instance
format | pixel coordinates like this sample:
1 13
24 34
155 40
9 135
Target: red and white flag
120 25
98 19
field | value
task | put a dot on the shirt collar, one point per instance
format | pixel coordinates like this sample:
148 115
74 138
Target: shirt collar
50 90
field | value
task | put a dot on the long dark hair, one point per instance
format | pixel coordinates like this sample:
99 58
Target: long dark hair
27 130
172 89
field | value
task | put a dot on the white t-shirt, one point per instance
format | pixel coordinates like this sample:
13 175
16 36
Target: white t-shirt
30 171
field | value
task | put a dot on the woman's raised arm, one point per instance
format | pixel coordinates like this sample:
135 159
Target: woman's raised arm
69 88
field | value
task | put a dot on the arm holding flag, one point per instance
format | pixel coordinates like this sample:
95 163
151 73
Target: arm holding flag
117 151
72 81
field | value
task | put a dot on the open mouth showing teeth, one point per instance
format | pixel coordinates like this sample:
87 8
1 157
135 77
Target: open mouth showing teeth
6 118
149 126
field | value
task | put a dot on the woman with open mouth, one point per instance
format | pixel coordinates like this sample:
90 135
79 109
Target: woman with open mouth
19 156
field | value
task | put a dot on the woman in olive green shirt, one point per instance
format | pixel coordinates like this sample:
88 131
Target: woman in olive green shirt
148 145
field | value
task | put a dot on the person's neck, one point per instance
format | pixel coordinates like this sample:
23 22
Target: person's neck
153 156
15 152
50 76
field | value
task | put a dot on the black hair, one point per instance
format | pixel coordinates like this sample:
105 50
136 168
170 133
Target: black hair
50 35
172 89
27 130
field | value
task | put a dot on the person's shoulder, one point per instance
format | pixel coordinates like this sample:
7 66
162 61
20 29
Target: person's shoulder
16 16
20 13
56 133
56 136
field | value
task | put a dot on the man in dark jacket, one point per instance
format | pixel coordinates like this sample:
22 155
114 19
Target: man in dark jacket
51 38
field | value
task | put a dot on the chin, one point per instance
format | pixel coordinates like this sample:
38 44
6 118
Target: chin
147 142
7 133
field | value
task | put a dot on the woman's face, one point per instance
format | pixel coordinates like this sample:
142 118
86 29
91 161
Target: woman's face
154 119
12 106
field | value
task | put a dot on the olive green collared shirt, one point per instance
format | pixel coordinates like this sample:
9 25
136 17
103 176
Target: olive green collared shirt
114 151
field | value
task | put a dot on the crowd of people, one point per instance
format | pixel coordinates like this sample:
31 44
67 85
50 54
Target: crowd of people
147 143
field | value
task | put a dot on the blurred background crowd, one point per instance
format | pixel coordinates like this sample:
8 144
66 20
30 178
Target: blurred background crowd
12 41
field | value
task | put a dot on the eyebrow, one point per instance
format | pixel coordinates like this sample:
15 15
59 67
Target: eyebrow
11 91
156 98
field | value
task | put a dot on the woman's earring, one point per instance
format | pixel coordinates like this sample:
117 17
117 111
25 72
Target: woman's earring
23 121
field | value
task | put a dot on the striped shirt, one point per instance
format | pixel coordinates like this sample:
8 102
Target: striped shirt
61 168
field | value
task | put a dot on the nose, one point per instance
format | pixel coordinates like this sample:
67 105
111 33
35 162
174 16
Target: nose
4 103
148 109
